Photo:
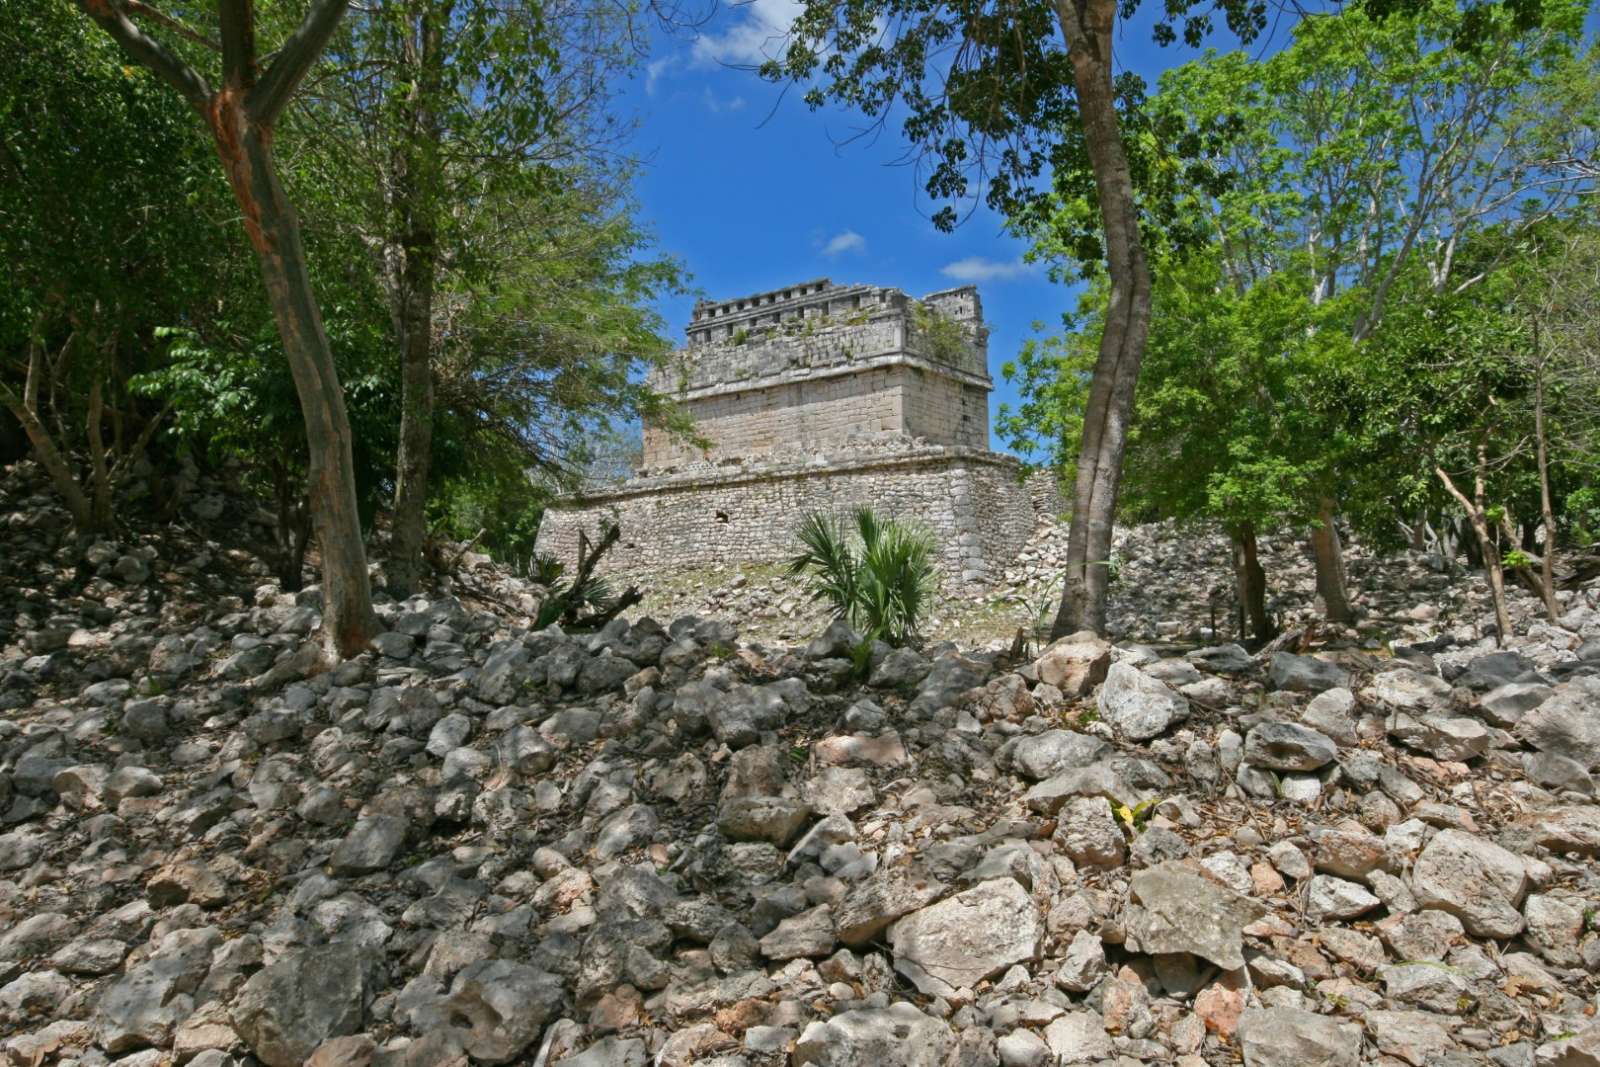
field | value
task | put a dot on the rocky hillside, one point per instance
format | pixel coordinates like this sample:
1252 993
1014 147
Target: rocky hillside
1173 585
663 844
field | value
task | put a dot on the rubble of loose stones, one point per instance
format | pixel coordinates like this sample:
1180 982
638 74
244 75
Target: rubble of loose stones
476 844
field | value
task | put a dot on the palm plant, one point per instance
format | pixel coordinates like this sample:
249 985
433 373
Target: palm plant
881 581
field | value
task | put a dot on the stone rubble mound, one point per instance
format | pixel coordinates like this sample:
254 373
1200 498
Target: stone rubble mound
659 844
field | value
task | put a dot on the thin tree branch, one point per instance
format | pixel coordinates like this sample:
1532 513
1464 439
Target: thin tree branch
188 33
148 52
276 87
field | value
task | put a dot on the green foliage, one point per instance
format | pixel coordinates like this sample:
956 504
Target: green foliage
567 598
983 91
881 581
1051 374
1330 315
942 337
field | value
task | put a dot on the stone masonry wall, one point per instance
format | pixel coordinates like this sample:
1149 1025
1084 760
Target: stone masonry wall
971 499
864 406
850 410
801 368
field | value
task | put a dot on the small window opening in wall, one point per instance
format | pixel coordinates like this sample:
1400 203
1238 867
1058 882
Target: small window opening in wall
722 516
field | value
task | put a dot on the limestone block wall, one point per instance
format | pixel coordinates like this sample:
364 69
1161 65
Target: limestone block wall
863 407
944 410
896 401
972 500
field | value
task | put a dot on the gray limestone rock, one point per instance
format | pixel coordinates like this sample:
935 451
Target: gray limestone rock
1173 908
289 1008
762 818
502 1006
1440 736
974 935
901 669
1222 659
1138 706
1287 746
1566 722
1507 704
872 905
1475 880
1335 898
143 1007
1088 834
1052 752
896 1036
1305 674
1079 1037
1417 1037
809 934
371 845
1289 1037
1409 690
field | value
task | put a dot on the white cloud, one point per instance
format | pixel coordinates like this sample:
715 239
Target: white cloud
848 241
718 104
983 269
757 33
654 70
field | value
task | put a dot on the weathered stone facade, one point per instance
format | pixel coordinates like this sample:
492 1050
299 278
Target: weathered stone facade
818 397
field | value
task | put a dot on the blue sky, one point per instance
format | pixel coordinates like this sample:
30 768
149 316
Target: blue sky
753 190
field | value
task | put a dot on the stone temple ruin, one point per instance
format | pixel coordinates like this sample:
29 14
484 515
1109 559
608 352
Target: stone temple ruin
818 397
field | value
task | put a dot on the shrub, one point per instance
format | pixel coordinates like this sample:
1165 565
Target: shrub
880 581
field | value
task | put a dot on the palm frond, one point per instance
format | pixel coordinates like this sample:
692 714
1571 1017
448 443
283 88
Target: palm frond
881 586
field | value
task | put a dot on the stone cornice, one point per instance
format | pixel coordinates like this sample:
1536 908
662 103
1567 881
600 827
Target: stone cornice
821 466
793 376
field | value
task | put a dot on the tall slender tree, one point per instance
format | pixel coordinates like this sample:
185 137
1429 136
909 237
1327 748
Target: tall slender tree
241 114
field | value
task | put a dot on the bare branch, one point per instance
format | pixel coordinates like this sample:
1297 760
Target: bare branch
188 33
277 86
147 51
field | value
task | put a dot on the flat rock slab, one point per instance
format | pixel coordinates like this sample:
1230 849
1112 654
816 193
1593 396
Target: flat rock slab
1287 746
1473 879
959 942
1305 674
1288 1037
896 1036
1172 908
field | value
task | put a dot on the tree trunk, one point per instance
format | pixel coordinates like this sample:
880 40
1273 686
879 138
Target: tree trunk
245 150
1547 564
1087 25
26 410
1329 555
415 208
99 470
1477 516
1250 580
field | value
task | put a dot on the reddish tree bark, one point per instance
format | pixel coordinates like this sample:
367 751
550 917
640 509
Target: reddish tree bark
241 116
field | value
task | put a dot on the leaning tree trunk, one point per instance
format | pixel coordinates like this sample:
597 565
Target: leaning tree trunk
1086 25
241 115
1329 554
26 410
245 150
1250 580
1478 517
